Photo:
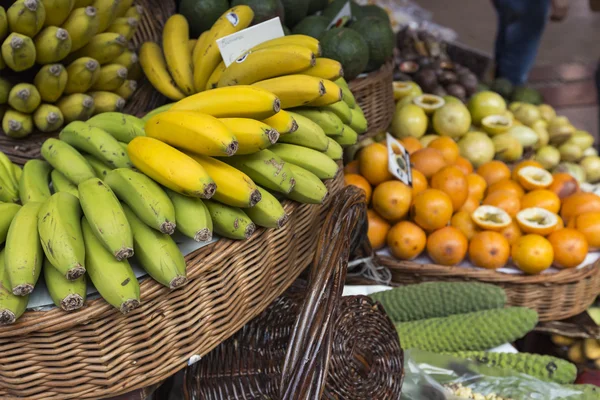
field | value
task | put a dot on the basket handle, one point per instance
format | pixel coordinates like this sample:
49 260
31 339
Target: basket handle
306 362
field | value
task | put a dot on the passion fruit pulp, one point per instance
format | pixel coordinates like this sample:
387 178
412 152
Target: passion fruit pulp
496 124
429 102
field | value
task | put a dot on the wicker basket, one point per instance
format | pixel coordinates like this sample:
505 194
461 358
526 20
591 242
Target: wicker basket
375 95
96 352
310 344
144 99
554 296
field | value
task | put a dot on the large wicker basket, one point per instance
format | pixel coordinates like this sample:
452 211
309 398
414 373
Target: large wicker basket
96 352
375 95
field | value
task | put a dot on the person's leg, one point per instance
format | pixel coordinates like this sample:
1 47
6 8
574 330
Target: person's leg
598 97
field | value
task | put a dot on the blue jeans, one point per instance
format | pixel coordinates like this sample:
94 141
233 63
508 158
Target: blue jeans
520 27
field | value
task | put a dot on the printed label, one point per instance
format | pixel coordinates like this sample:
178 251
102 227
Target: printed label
233 18
342 17
398 160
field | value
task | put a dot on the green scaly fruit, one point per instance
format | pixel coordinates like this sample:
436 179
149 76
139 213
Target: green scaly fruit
3 24
308 134
112 76
230 222
82 74
268 212
69 295
57 11
60 183
348 137
157 253
7 213
33 185
145 197
23 251
26 17
266 169
308 189
126 26
192 216
51 81
5 87
11 306
100 169
76 107
59 227
48 118
64 158
96 142
311 160
331 124
106 217
52 44
127 89
122 127
107 12
334 150
107 102
359 122
342 110
114 279
104 47
24 97
18 52
82 26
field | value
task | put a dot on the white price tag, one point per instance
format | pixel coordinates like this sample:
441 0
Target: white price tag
235 45
342 17
398 160
194 359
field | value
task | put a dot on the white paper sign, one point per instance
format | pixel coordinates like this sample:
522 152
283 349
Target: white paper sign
398 160
342 17
235 45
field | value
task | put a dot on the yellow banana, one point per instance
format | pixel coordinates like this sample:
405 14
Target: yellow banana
104 47
82 3
17 124
237 101
33 185
309 134
24 97
107 102
123 127
122 7
48 118
340 109
191 44
5 86
57 11
7 213
193 131
51 81
213 80
76 107
52 44
107 12
173 169
334 150
251 135
308 188
259 65
66 294
348 137
112 76
18 52
3 24
11 306
234 188
230 222
268 212
64 158
207 56
266 169
309 159
127 89
193 218
176 34
60 183
124 26
333 94
26 17
297 40
331 124
101 169
199 45
325 68
82 26
294 90
114 280
155 68
81 75
283 122
136 12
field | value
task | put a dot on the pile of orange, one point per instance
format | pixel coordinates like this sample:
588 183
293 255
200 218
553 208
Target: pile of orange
490 216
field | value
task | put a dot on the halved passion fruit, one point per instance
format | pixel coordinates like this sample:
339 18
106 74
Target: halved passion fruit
403 89
496 124
532 178
537 220
429 102
408 67
491 218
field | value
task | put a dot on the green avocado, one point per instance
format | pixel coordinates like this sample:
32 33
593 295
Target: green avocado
349 48
527 95
370 11
380 39
263 9
317 5
201 15
295 11
314 26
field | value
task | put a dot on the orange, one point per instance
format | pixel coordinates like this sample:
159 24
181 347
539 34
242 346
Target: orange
447 147
512 232
532 254
507 185
477 186
453 182
373 164
447 246
570 247
564 185
532 178
491 218
428 161
406 240
579 203
537 220
392 200
411 144
465 165
589 225
419 182
470 205
352 167
378 230
489 250
505 200
494 171
463 222
359 182
432 209
541 198
522 164
560 224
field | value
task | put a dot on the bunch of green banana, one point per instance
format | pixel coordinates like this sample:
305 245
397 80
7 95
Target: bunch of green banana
67 294
60 183
33 185
26 17
67 160
18 52
52 44
76 107
193 218
51 81
122 127
7 213
48 118
24 97
230 222
11 306
9 182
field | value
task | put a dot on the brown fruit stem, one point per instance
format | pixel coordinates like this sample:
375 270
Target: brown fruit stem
250 229
129 305
273 135
177 282
75 272
203 235
124 253
22 290
55 69
71 302
167 227
255 197
7 317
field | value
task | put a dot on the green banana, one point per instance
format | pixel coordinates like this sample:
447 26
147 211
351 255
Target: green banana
308 134
7 213
335 150
82 26
348 137
66 294
107 11
106 217
76 107
230 222
127 89
60 183
136 12
122 7
126 26
192 216
64 158
9 186
145 197
340 109
157 111
114 280
11 306
157 253
266 169
52 44
3 24
57 11
51 81
331 124
24 97
341 82
309 159
104 47
24 253
48 118
131 61
26 17
359 122
112 76
5 87
59 227
268 212
123 127
18 52
33 185
107 102
96 142
123 145
7 169
308 189
100 168
18 171
82 74
348 97
82 3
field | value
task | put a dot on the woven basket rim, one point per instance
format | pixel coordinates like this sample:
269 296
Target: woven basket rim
360 82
